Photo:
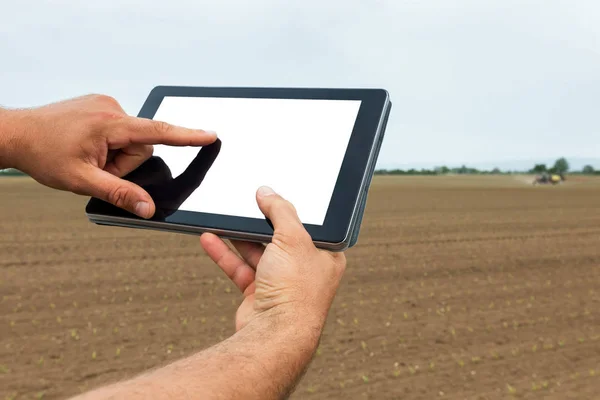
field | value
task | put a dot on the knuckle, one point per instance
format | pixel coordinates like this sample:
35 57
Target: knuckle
118 196
288 240
303 235
290 206
90 96
104 116
283 205
163 128
102 98
293 241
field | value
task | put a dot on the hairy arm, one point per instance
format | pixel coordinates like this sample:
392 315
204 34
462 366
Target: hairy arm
8 138
288 288
264 360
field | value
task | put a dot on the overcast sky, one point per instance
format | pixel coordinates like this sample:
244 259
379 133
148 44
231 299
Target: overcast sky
471 81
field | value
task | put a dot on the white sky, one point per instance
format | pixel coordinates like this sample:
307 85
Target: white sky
471 81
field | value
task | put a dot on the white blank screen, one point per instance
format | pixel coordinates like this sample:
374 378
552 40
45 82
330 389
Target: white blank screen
294 146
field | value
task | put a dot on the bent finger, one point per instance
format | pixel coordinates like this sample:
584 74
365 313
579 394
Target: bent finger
116 191
128 159
240 273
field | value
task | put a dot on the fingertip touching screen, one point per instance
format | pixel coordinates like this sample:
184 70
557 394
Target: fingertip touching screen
295 146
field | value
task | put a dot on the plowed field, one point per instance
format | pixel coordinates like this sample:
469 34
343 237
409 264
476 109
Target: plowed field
460 287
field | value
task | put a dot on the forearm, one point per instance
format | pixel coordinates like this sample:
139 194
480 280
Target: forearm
9 138
264 360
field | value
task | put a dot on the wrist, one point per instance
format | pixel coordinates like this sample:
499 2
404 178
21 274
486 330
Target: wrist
291 325
11 138
278 347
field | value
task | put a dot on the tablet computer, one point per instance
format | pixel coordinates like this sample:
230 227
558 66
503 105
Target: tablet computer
316 147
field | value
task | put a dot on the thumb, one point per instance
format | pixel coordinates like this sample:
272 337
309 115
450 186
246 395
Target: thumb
118 192
281 213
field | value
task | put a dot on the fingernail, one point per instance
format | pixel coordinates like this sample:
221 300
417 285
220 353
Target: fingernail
265 191
142 208
212 133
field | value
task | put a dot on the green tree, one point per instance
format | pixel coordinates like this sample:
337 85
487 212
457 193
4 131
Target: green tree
539 168
561 166
588 169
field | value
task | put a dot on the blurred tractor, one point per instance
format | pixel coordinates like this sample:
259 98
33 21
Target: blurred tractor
549 179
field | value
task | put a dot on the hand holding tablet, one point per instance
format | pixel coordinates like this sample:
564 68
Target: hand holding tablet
315 147
257 270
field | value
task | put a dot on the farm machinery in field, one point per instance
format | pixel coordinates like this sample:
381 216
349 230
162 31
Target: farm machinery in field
549 179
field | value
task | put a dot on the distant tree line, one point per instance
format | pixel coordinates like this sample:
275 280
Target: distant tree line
561 166
443 170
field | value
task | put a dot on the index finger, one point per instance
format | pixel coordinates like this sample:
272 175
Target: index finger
147 131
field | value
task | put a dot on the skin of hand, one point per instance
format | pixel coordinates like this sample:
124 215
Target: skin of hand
85 145
288 288
282 276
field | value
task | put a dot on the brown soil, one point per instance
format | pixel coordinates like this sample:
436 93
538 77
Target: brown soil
477 288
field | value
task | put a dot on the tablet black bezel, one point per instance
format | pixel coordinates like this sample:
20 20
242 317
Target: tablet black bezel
348 184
